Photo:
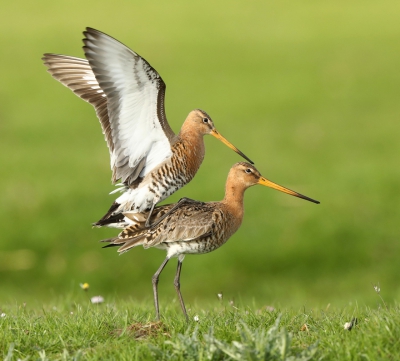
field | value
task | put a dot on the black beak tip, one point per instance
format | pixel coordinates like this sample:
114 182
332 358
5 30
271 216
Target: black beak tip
310 199
248 159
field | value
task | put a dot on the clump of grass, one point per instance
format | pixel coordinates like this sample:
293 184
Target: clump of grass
142 331
253 344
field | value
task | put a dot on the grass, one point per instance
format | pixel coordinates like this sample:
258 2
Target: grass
308 90
72 328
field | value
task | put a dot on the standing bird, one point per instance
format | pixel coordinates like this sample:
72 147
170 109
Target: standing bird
127 93
191 227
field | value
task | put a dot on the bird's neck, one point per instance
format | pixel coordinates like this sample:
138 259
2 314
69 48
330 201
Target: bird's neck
234 195
189 134
194 149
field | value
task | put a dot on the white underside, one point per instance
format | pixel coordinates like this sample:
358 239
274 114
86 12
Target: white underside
136 200
133 201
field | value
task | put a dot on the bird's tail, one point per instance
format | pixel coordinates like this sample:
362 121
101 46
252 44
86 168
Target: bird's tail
124 244
110 218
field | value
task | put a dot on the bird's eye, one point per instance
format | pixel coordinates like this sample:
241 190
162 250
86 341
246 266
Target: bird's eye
248 170
205 120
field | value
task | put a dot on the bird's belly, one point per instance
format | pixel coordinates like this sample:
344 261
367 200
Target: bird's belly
188 247
155 187
143 197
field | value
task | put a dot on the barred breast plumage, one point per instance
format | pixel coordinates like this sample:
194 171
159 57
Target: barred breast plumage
128 94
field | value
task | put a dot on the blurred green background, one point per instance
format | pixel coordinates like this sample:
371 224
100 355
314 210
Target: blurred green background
308 90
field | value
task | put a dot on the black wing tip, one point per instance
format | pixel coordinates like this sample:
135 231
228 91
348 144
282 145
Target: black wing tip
95 33
48 56
111 245
90 30
91 34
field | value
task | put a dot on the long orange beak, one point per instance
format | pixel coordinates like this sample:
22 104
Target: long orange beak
265 182
229 144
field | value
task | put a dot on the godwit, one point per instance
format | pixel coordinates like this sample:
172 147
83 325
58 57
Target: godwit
147 157
191 227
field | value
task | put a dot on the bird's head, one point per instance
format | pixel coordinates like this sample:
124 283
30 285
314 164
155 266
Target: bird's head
203 124
247 175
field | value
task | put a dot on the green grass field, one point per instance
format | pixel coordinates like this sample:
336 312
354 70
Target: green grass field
72 329
308 90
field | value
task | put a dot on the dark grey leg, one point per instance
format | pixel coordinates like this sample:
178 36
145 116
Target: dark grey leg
155 283
147 224
178 288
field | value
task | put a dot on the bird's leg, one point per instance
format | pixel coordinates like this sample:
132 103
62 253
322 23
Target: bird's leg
176 206
155 283
147 224
178 287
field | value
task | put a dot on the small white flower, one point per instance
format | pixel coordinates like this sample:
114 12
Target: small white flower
348 326
97 299
196 318
219 295
3 315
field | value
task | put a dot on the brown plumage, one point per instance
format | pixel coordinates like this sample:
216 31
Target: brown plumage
128 94
191 227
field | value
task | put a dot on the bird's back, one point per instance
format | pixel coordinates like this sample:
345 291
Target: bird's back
192 228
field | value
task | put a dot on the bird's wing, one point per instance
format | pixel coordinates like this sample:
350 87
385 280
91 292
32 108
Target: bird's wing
187 223
77 75
135 126
135 99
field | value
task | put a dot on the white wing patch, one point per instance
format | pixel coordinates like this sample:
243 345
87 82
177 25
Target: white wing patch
131 86
124 90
